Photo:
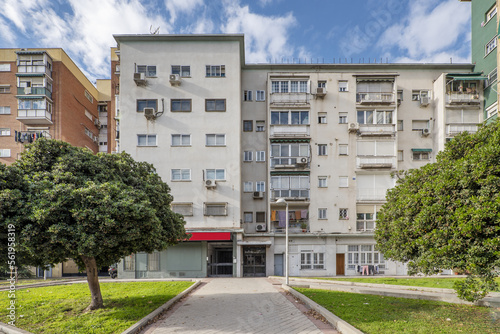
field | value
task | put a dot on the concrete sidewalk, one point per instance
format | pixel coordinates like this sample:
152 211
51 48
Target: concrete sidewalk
237 305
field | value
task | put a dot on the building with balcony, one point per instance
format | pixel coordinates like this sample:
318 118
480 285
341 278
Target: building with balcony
231 138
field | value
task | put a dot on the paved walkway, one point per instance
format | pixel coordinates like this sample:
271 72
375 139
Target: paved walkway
237 305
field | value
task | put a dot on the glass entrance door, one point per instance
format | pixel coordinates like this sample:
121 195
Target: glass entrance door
254 261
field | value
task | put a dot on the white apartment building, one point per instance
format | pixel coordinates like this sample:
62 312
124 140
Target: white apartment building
231 138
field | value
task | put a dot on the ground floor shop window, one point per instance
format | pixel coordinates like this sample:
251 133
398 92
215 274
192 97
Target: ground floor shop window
129 263
359 256
311 260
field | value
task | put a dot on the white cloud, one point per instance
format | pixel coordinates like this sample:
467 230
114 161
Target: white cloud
430 32
265 36
181 6
6 33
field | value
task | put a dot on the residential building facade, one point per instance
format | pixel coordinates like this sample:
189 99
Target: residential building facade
231 138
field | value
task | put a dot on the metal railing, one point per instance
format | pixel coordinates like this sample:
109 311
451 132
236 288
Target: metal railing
290 98
382 97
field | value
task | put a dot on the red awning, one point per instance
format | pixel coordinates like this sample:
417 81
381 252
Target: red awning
210 236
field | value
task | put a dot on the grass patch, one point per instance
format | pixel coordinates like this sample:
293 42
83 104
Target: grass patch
60 309
25 281
384 315
428 282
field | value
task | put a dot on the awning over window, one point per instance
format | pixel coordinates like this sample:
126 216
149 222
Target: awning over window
295 140
421 149
210 236
467 76
276 173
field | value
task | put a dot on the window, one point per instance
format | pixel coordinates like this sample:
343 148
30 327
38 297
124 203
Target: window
183 70
490 46
260 95
491 13
492 77
400 125
248 186
146 140
322 213
343 214
321 84
260 156
248 217
384 117
400 96
215 140
343 149
289 86
215 105
181 175
419 125
381 117
310 260
247 95
185 209
260 217
4 131
288 154
4 89
342 118
416 95
321 118
148 70
322 149
5 153
365 222
248 156
129 263
215 209
89 134
4 110
89 97
88 114
365 116
290 186
260 126
4 67
364 255
215 70
289 117
247 126
322 182
141 104
343 87
400 155
260 186
154 261
421 155
181 140
343 182
216 174
180 105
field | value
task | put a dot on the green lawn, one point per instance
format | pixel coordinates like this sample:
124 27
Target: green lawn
25 281
60 309
428 282
384 315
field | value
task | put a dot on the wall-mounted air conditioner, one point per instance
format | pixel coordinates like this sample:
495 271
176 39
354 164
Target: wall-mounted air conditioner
149 113
175 79
261 228
426 132
320 91
424 101
353 127
140 78
258 194
210 184
302 161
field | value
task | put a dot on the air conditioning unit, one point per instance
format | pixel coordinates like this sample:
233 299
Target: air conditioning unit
258 194
424 101
175 79
426 132
210 184
261 227
353 127
320 91
140 78
302 161
27 90
97 123
149 113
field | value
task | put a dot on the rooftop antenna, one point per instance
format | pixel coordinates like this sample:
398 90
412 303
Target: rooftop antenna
154 32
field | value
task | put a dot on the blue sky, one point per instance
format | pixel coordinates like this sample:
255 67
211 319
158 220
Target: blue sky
275 30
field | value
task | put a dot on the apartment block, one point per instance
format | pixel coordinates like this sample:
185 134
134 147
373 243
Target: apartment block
231 138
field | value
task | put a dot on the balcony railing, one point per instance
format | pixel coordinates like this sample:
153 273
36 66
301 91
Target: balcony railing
377 129
454 129
297 226
289 162
34 116
291 194
387 97
290 130
26 137
35 69
376 162
370 194
289 98
34 91
458 98
365 226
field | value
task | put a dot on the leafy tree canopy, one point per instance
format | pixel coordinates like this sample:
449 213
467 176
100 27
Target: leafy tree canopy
447 214
67 202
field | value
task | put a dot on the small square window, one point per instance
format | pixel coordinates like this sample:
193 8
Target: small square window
342 118
248 156
247 95
322 118
260 95
343 149
247 126
260 156
322 182
343 181
248 186
400 155
322 149
248 217
322 213
260 217
260 186
400 125
343 214
260 126
343 86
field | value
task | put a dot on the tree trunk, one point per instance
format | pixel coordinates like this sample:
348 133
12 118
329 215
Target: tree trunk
93 281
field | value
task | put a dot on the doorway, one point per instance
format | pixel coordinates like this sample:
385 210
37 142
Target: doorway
220 260
254 261
340 264
278 265
141 265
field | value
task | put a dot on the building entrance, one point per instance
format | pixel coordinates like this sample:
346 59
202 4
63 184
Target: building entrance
254 261
220 259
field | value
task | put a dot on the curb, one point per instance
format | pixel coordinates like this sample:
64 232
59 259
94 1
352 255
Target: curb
137 327
341 325
7 329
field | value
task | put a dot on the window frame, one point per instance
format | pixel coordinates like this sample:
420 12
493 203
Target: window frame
260 95
5 110
215 109
247 214
322 118
147 101
323 213
216 137
342 147
343 89
206 206
215 171
343 214
189 207
215 71
260 186
182 103
181 137
248 186
147 136
260 156
260 126
322 182
343 181
147 70
181 71
247 156
490 46
247 128
322 150
4 132
181 174
247 96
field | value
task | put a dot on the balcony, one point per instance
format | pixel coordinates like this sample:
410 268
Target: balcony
375 98
376 162
33 70
365 226
34 116
289 98
290 194
294 226
469 98
370 194
26 137
31 91
290 131
455 129
377 129
289 162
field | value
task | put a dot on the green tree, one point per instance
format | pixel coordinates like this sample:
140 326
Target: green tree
447 214
67 202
